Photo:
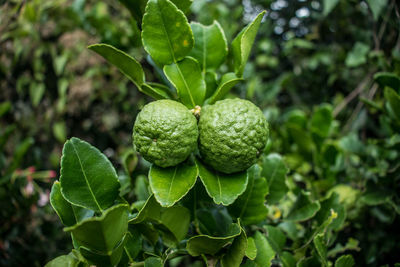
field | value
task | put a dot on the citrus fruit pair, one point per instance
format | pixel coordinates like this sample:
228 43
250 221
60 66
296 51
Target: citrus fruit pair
230 135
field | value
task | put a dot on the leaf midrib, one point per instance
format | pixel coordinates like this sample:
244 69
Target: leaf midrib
170 185
166 33
219 187
186 85
86 179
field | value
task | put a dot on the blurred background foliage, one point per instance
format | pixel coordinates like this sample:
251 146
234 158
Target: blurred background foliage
325 73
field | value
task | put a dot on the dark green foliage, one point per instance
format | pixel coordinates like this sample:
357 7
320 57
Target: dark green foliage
325 74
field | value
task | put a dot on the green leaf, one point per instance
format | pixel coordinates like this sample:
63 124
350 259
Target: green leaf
64 261
165 219
136 7
251 250
156 92
357 56
236 252
62 207
303 209
166 34
320 246
265 253
87 177
228 80
102 233
124 62
104 258
276 238
129 67
222 188
133 244
69 214
250 207
151 210
210 78
329 5
4 108
393 100
153 262
183 5
141 188
287 259
188 80
345 261
309 262
329 204
210 45
204 244
60 131
177 220
213 221
321 120
242 44
36 92
351 244
274 170
376 7
388 79
170 184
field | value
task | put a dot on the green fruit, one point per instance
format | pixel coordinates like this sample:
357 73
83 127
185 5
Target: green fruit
233 134
165 133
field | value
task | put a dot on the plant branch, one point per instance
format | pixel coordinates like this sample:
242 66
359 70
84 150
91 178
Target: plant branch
360 87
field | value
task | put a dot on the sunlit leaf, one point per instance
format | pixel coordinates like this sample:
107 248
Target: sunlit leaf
166 34
223 188
242 44
87 177
188 80
210 46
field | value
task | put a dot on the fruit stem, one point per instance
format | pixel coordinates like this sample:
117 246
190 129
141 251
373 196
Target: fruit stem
196 111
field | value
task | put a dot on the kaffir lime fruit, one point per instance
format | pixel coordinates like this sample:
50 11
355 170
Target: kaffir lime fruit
232 134
165 133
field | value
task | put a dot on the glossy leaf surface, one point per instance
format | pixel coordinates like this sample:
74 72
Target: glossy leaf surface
69 214
228 80
124 62
242 44
101 259
170 184
236 252
204 244
250 207
274 170
210 46
87 177
188 80
265 253
102 233
222 188
166 34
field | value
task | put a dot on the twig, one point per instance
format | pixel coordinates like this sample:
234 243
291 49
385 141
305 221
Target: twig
352 95
384 24
360 104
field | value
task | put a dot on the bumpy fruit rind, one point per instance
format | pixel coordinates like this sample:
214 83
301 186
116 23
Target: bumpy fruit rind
232 135
165 133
